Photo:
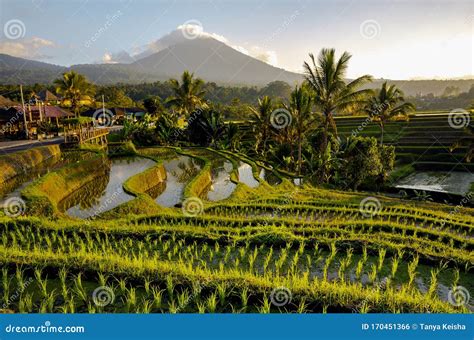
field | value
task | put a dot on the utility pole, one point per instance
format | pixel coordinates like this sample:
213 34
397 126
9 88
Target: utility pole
24 112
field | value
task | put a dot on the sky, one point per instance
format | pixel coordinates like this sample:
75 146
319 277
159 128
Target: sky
400 39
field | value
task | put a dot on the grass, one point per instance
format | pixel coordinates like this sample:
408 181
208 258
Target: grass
314 242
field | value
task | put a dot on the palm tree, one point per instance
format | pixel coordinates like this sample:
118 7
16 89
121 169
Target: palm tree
383 106
300 110
74 87
188 95
262 117
331 92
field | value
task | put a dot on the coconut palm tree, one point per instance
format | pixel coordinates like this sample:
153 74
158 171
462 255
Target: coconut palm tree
262 115
74 87
327 78
384 105
188 94
300 109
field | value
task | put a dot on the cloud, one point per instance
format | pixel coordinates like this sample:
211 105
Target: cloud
121 57
30 48
269 57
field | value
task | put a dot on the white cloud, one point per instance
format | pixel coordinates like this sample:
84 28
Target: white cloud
30 48
122 57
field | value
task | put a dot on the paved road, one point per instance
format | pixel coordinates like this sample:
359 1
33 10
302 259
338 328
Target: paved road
20 145
15 146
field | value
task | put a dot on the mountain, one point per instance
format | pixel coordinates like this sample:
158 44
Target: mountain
209 58
215 61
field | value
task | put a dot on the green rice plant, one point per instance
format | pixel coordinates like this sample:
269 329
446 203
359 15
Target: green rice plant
25 304
5 285
157 297
183 299
394 268
146 306
412 270
222 292
302 306
211 303
170 286
265 307
364 308
79 288
19 275
359 268
244 297
373 273
42 283
382 252
434 281
201 306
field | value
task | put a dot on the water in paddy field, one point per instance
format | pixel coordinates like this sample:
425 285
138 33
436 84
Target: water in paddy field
12 188
86 203
179 171
246 175
222 187
269 177
455 182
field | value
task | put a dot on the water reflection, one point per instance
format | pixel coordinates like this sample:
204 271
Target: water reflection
179 171
221 187
246 175
113 195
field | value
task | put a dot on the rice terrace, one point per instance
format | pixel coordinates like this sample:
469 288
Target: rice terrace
327 194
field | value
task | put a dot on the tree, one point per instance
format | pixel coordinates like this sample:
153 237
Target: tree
114 97
276 89
300 110
262 123
188 95
153 105
383 106
206 128
332 94
74 87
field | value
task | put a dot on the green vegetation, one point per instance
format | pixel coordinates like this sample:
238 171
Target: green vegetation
16 164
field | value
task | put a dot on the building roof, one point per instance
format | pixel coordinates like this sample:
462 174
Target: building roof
48 111
46 96
5 102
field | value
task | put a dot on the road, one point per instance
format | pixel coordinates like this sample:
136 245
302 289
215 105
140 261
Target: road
21 145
